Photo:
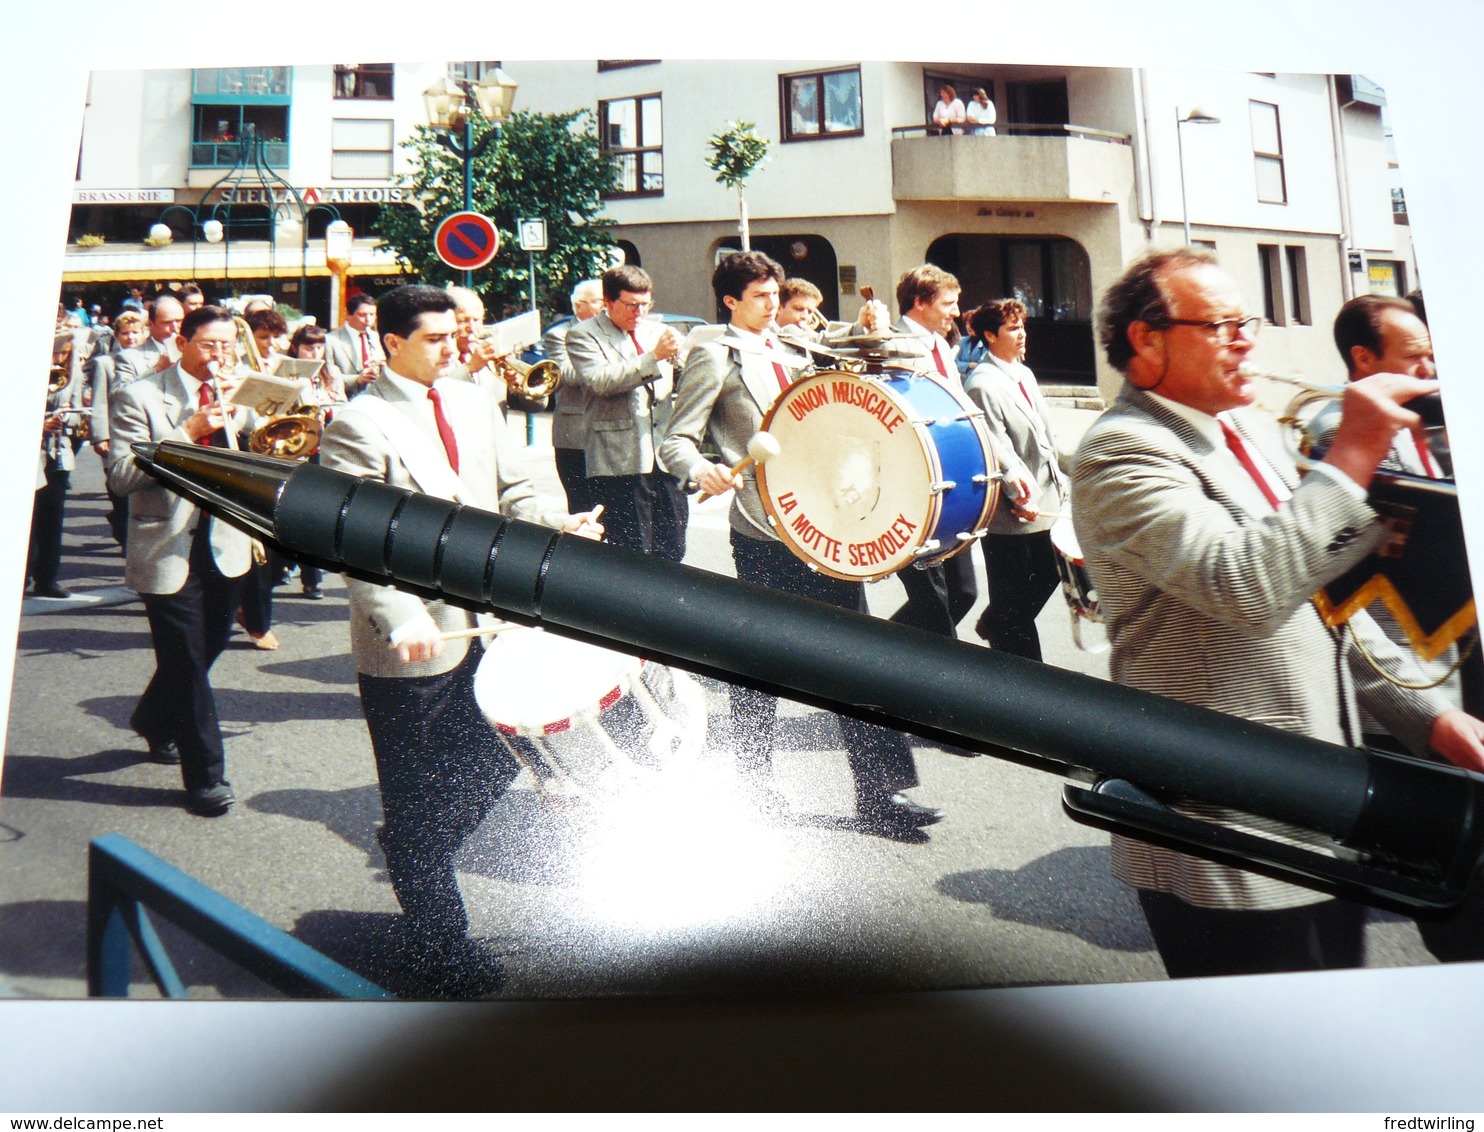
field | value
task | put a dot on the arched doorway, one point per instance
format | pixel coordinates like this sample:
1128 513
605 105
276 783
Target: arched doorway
803 257
1051 275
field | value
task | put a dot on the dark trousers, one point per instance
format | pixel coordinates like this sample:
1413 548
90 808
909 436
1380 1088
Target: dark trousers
190 629
257 595
880 759
1021 573
647 512
938 597
44 562
441 766
571 466
1196 942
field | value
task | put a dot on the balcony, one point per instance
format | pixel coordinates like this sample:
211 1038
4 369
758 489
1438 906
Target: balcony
1075 165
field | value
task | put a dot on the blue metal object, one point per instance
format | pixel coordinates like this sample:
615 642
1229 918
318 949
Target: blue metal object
124 880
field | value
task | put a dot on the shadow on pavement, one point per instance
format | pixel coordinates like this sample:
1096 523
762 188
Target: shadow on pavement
1088 903
66 779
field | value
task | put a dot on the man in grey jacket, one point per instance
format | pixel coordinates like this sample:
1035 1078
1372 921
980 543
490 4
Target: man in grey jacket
1206 549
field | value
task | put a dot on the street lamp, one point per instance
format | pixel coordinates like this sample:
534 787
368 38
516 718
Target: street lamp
449 103
1197 117
338 244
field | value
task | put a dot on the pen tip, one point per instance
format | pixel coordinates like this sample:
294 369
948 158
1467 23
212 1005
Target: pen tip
145 451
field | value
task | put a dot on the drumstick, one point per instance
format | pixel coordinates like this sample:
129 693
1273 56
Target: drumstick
478 631
760 449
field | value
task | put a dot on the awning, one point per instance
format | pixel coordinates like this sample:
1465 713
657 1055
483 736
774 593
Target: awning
136 263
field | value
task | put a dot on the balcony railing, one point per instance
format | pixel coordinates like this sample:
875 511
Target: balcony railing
1022 162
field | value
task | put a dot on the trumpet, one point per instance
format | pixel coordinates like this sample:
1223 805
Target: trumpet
526 380
1312 418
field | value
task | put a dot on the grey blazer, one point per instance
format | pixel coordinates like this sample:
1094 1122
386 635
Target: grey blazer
628 395
139 361
726 387
1206 590
343 348
162 523
569 420
488 468
1022 440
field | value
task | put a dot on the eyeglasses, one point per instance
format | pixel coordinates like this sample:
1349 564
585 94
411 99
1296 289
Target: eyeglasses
640 305
1224 331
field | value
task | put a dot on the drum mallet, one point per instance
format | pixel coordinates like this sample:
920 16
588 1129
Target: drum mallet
760 449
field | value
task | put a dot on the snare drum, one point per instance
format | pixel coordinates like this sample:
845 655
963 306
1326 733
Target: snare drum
1076 582
585 715
877 472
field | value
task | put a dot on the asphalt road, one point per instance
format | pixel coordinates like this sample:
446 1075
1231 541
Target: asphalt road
668 884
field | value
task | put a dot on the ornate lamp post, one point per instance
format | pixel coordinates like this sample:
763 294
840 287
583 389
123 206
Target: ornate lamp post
449 102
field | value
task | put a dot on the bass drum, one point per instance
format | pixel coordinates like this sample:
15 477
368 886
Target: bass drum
877 472
583 717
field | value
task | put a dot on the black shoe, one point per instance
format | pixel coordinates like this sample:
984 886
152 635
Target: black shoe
210 801
52 590
166 753
313 593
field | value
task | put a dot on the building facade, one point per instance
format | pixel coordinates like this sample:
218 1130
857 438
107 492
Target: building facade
1288 177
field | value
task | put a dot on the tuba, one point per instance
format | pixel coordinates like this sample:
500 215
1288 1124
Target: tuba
293 435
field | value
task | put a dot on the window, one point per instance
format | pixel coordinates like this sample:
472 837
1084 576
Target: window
631 133
1298 285
472 72
824 104
361 149
1387 277
1267 153
233 84
1272 284
363 80
226 102
216 139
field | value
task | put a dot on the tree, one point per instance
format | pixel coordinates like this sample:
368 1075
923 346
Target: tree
543 165
735 152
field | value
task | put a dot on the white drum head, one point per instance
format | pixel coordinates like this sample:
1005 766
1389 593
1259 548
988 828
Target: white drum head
850 489
531 683
1064 539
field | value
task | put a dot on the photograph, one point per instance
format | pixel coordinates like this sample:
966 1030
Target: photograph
744 530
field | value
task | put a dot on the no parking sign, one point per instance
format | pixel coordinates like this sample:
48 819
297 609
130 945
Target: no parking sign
466 241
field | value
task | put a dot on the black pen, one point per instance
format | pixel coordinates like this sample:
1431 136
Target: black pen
1416 829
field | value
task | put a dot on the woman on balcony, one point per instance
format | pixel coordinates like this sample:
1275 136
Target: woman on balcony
948 115
980 113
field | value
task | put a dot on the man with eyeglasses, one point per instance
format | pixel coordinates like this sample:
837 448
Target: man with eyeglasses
622 362
188 568
1206 547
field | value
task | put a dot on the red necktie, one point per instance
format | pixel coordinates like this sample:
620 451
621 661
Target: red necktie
634 338
1239 450
938 357
778 371
445 430
365 349
203 401
1024 392
1428 467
